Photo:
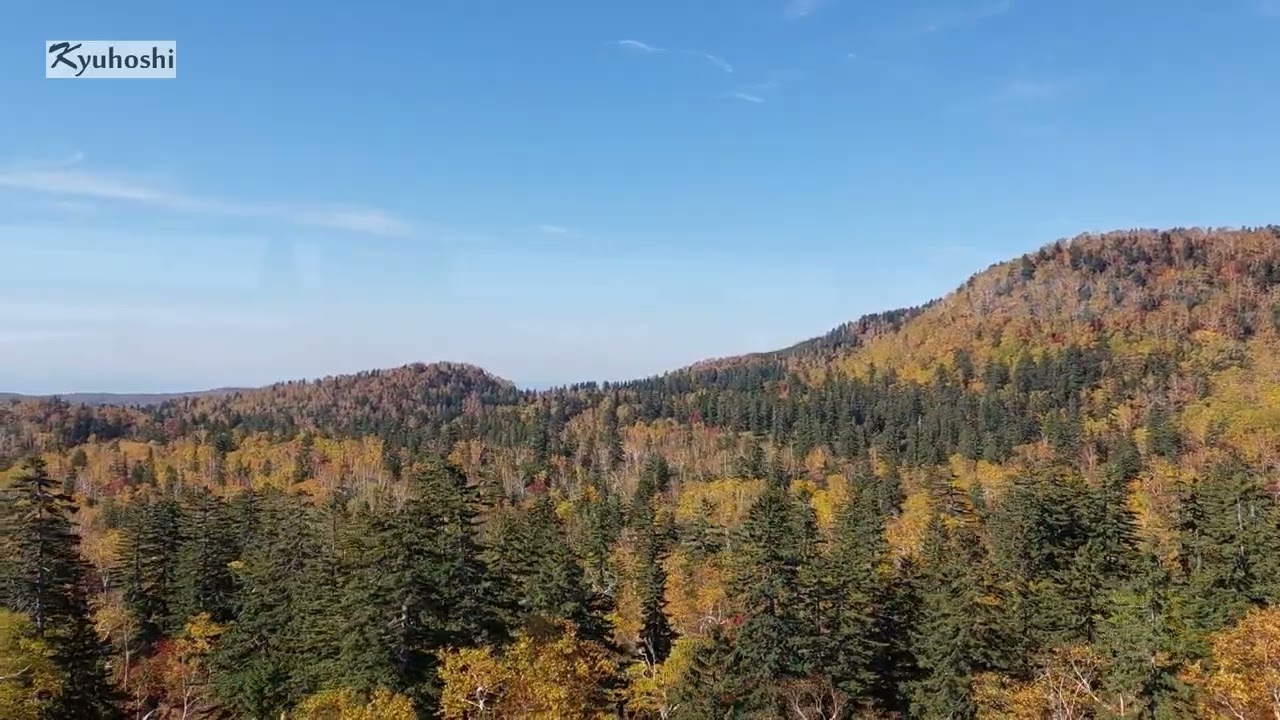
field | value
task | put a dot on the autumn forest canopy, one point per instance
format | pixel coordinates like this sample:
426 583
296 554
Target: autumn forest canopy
1053 493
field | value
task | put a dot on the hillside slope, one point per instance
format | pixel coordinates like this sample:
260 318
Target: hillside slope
1181 320
1136 291
1052 492
120 399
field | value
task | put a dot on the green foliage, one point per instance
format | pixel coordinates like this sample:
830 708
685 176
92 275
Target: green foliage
656 635
1231 549
148 566
776 542
261 651
1139 638
926 513
843 594
949 644
209 542
50 585
415 582
713 689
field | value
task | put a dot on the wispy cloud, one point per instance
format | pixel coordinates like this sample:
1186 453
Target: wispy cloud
37 336
73 206
941 19
718 62
767 85
1268 8
801 8
758 93
559 231
639 45
66 180
645 48
68 317
75 158
1030 90
360 220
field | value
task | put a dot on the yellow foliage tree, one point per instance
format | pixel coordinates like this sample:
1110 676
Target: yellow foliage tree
28 676
1242 678
474 679
347 704
625 618
1064 688
549 673
118 624
697 593
185 670
651 692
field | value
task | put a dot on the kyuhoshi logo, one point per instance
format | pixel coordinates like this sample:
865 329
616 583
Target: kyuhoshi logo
111 59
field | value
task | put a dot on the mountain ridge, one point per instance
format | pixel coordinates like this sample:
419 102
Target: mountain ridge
121 398
1103 398
1208 296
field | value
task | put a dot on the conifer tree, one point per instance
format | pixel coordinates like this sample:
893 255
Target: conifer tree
50 586
203 578
656 634
712 689
257 654
318 625
655 479
847 589
149 559
611 437
752 464
1140 637
960 631
417 583
1231 545
895 669
603 523
775 543
552 579
1039 533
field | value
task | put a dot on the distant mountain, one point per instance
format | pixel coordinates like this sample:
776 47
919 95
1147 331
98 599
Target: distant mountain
1053 487
122 399
1180 321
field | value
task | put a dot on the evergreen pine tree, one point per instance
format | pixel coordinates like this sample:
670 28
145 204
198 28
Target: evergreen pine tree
848 589
257 654
752 464
148 566
417 582
551 577
50 585
895 669
603 523
611 437
1039 533
1232 546
203 577
959 632
318 625
712 689
655 479
773 642
656 634
1139 638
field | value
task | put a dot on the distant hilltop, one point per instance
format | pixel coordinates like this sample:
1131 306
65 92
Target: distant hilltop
123 399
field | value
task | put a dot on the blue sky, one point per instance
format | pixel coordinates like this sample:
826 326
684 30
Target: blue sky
570 189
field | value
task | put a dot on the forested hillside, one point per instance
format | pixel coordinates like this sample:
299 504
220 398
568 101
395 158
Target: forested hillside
1051 494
